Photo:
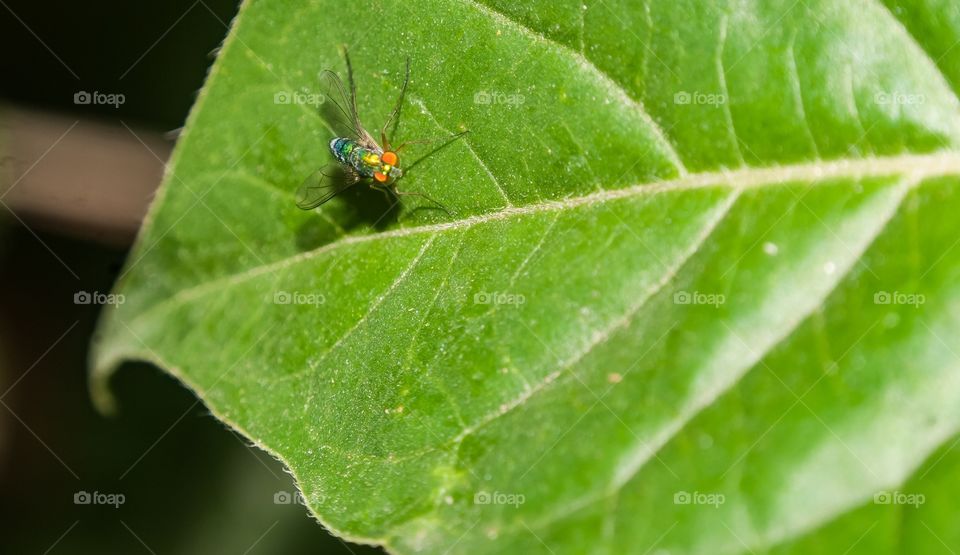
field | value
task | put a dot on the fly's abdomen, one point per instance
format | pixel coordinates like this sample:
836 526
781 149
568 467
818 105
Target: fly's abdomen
349 153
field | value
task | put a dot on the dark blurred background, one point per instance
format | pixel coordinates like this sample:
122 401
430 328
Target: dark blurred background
162 476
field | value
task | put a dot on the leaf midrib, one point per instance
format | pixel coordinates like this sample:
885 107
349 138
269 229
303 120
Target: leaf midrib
908 165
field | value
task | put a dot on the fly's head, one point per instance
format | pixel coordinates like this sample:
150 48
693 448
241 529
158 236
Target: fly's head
387 169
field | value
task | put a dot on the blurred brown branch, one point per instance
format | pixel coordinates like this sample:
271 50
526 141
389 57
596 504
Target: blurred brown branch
78 176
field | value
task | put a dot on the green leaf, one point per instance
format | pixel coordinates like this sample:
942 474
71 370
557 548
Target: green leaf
697 291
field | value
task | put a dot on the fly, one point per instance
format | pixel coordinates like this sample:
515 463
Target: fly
358 155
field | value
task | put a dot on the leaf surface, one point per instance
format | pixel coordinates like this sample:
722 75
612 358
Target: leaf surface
697 291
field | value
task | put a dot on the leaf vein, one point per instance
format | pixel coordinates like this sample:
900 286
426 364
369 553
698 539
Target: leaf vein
601 76
483 165
376 303
602 336
645 451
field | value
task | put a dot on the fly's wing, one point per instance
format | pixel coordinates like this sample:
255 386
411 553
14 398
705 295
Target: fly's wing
324 184
339 108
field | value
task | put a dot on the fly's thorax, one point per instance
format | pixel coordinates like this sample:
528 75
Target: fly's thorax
371 158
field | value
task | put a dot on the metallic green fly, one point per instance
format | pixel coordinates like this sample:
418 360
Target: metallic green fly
358 155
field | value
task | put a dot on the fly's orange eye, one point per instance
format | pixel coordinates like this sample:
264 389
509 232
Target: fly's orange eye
379 177
389 158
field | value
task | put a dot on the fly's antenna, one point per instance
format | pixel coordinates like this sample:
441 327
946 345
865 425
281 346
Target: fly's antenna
438 204
394 119
351 82
449 140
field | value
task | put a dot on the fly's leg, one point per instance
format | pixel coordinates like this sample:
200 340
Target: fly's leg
384 190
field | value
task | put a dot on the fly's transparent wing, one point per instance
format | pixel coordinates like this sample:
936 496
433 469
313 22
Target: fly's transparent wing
339 109
324 184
